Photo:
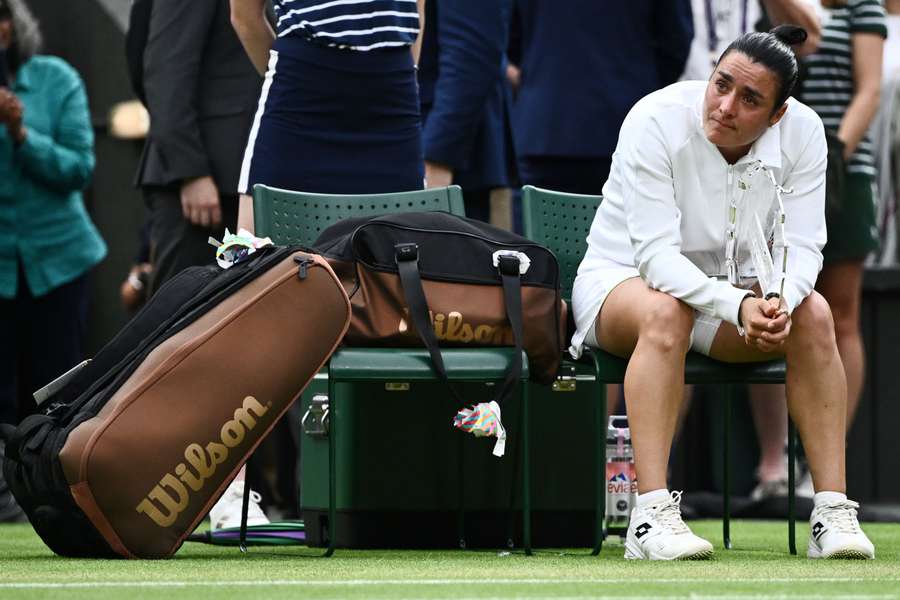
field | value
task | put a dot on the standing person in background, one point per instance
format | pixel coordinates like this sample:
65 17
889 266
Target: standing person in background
843 85
48 244
716 23
339 108
200 92
579 72
200 89
891 66
47 241
465 99
885 132
338 112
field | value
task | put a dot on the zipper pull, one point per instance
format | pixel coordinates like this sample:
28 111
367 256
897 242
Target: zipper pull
50 410
302 265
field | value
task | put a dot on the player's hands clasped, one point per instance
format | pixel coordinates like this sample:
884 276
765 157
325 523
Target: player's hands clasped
766 323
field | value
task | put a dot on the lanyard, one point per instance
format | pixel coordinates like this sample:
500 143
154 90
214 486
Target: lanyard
712 36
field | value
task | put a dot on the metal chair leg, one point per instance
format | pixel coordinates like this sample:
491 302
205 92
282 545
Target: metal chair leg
526 469
461 493
332 467
726 491
513 485
600 474
792 507
245 504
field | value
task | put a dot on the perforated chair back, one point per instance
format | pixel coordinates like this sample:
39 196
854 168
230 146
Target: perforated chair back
561 222
290 217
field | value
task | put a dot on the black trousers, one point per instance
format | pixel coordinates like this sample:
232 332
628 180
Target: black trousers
478 204
175 242
565 174
42 338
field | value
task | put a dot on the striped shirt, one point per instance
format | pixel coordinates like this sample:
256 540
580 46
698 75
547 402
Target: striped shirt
361 25
828 86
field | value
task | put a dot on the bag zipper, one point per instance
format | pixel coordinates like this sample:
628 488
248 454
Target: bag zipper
188 314
448 232
303 264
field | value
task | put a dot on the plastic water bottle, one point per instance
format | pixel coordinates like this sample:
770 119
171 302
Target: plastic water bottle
621 482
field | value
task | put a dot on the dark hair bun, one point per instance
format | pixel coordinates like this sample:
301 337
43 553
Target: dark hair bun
789 34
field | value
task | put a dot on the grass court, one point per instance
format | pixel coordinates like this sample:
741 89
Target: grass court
758 567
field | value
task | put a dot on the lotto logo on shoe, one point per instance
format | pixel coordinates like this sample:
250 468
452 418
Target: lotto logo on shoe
817 530
642 530
171 495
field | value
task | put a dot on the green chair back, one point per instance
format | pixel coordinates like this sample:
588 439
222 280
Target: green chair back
561 222
290 217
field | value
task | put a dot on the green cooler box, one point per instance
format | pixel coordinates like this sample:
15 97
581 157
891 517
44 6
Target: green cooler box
404 471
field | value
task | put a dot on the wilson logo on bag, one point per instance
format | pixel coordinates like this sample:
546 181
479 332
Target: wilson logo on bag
172 494
452 327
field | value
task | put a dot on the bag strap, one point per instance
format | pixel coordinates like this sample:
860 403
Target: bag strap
512 298
407 257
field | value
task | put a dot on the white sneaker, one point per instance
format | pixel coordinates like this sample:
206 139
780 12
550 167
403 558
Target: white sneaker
834 532
658 533
227 511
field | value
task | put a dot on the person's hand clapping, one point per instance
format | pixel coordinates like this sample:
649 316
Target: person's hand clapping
767 326
11 113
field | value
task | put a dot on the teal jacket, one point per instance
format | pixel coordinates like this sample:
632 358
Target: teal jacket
43 221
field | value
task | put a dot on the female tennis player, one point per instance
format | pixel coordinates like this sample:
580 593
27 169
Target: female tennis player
670 268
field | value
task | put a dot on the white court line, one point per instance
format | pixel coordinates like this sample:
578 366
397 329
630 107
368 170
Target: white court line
693 596
440 582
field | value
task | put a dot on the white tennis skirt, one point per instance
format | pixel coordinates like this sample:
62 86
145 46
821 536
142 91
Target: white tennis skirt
590 291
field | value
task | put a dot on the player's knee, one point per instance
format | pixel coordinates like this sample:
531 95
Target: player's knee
668 324
812 323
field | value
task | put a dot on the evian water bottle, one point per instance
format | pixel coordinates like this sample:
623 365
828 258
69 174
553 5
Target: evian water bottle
621 483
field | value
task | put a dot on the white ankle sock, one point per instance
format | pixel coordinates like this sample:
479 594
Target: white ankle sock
654 497
828 498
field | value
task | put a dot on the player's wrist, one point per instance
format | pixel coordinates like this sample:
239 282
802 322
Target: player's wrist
740 316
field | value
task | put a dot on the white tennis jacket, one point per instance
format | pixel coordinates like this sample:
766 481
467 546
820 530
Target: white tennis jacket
666 207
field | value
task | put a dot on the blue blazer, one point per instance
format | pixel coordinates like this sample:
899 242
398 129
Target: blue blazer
585 63
463 92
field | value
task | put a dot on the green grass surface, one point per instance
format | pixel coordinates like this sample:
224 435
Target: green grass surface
758 567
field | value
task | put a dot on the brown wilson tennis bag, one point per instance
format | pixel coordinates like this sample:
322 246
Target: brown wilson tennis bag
460 282
128 456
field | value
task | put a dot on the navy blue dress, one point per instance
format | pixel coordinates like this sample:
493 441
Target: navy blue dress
339 107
